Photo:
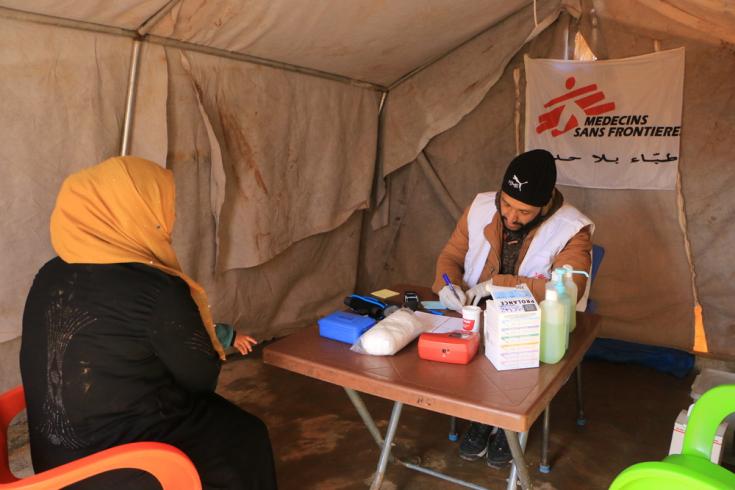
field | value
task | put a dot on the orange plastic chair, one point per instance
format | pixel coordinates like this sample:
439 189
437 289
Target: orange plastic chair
171 467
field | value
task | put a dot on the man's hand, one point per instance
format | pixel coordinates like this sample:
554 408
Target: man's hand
244 343
476 293
449 299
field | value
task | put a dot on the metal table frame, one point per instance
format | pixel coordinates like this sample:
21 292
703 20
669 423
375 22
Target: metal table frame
308 354
516 441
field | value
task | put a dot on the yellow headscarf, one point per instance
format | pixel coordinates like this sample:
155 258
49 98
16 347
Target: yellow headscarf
123 210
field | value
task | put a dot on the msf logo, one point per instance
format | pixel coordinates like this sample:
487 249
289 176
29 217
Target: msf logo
515 182
572 107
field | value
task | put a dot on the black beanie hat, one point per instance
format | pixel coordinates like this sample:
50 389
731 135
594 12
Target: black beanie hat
531 177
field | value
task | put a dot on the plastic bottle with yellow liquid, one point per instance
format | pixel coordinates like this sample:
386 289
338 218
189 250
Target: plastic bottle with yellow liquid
557 284
553 328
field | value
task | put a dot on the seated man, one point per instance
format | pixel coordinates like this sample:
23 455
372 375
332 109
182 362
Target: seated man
534 233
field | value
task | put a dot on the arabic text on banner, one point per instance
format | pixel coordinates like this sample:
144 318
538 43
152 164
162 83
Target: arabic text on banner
612 124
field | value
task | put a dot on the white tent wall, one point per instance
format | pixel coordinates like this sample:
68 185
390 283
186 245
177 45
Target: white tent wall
281 136
271 165
468 158
276 137
310 276
63 94
644 289
707 30
436 98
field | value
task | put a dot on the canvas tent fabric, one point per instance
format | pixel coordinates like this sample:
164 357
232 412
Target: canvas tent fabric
240 108
43 98
377 42
280 190
299 284
645 287
268 115
436 98
708 123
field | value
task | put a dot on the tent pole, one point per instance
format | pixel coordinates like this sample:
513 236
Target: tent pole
517 107
129 104
565 20
223 53
149 24
51 20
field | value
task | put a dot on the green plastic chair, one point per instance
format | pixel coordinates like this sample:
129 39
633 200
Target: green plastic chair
692 469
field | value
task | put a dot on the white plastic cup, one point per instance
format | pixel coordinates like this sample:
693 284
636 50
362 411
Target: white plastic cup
471 318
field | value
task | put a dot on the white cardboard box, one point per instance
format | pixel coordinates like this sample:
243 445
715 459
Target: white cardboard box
707 379
512 328
677 438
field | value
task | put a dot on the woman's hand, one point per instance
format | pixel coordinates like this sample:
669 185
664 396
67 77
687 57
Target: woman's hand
244 343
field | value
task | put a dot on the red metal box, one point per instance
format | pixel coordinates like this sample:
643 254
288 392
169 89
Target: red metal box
458 347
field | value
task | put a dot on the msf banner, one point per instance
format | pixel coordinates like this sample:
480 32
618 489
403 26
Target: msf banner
612 124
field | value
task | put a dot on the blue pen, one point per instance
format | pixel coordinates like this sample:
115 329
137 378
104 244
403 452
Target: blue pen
435 312
449 283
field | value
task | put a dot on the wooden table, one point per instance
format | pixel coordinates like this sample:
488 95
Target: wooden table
477 391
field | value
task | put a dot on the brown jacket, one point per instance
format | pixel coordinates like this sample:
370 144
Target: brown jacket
451 259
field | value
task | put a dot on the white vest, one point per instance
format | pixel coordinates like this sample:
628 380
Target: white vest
550 238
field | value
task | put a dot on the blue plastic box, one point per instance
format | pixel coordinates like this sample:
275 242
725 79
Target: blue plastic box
344 326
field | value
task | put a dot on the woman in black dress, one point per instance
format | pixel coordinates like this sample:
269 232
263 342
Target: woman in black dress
119 345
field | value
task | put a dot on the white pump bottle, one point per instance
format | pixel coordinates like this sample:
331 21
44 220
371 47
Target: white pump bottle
572 291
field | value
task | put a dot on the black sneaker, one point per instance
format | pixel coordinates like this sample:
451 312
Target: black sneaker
474 441
498 451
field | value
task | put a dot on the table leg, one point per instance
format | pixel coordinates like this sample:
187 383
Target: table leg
518 468
373 429
581 420
365 415
453 436
385 452
544 467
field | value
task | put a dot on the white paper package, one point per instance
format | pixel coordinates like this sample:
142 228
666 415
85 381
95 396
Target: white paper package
391 334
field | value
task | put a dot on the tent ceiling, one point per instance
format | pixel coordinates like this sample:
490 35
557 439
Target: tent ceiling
706 20
125 14
369 40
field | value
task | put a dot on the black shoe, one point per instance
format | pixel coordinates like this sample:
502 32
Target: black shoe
474 441
498 451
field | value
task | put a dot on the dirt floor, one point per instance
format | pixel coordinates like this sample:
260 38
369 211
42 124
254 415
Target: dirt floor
320 442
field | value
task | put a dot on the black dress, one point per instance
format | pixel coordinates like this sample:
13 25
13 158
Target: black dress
117 353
